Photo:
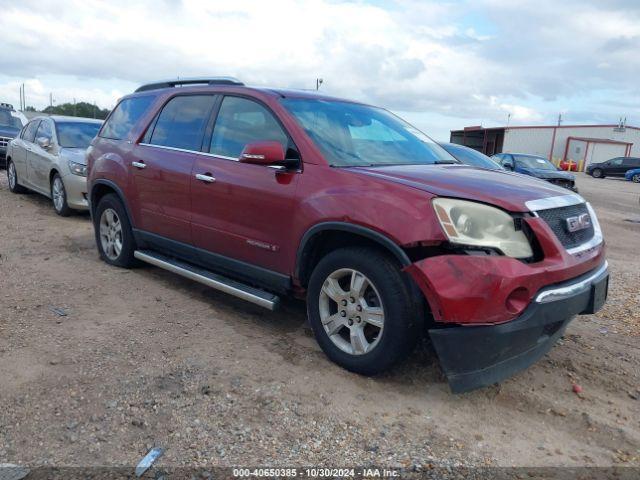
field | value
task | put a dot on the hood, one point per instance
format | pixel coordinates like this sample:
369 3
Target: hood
76 155
7 131
546 174
504 189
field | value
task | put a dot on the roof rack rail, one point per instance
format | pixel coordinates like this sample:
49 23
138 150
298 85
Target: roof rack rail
189 81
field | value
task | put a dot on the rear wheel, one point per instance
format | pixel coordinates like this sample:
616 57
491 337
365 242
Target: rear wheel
59 196
636 178
12 177
361 310
597 173
114 235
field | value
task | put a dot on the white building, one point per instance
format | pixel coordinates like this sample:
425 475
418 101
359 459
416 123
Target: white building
583 144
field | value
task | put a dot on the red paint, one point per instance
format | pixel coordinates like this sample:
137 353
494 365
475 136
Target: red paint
250 205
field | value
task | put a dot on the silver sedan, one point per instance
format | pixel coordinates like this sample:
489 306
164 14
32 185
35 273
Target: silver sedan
48 157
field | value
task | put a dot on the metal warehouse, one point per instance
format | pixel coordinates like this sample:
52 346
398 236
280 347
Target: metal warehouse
582 144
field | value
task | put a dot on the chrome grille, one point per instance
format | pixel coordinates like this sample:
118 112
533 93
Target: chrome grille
556 218
4 141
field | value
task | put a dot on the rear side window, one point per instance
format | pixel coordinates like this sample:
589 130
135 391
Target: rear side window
241 121
30 131
182 121
631 162
125 116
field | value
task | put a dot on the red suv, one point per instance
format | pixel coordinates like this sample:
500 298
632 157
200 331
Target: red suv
261 193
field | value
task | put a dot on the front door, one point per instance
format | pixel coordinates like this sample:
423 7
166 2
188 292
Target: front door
162 164
41 159
245 212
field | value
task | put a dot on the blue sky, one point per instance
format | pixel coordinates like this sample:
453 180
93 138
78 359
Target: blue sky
441 65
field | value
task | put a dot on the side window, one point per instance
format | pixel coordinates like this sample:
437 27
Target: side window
125 116
45 130
616 162
30 131
182 122
241 121
630 162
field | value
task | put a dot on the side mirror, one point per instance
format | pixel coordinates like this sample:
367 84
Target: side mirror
508 166
263 153
44 143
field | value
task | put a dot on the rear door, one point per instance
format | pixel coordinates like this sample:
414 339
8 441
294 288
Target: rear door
245 213
22 144
162 166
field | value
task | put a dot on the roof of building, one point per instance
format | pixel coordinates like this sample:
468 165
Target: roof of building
512 127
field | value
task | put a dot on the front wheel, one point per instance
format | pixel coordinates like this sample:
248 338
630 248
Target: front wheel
597 173
59 196
114 235
362 311
636 178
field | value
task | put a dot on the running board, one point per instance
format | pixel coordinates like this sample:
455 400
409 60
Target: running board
210 279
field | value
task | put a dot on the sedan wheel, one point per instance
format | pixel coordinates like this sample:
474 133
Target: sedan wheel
351 311
11 173
636 178
58 193
111 234
597 173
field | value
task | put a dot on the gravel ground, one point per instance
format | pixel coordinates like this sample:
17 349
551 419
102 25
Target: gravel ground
144 358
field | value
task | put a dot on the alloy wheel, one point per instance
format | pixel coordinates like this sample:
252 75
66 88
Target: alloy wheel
351 311
11 173
110 234
636 178
58 193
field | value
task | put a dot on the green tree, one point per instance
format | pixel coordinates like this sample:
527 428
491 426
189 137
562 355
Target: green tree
80 109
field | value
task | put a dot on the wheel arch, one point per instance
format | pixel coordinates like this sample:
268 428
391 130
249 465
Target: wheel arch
102 187
326 236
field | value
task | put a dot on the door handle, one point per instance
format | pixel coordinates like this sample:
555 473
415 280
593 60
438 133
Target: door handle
139 165
205 178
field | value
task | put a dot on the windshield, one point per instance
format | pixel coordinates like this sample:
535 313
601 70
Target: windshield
351 135
8 120
76 134
470 156
539 163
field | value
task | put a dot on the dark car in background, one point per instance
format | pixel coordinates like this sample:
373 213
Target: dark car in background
11 122
469 156
615 167
538 167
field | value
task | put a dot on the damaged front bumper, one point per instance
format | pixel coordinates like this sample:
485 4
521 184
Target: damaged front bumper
475 356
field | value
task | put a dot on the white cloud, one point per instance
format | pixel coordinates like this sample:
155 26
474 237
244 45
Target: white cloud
465 60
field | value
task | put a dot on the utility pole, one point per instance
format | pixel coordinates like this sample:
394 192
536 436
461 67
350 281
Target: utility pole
559 119
51 99
318 83
74 108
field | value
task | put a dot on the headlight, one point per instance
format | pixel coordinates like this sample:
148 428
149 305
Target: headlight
78 168
479 225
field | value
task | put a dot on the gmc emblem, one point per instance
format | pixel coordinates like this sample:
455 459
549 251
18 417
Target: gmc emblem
579 222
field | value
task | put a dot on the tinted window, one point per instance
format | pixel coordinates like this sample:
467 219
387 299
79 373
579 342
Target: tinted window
535 163
471 156
631 162
45 130
182 121
30 131
126 114
350 134
616 162
76 134
241 121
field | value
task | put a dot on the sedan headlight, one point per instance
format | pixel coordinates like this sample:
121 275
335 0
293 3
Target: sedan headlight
78 168
479 225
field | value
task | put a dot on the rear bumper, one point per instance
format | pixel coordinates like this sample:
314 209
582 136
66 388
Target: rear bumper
477 356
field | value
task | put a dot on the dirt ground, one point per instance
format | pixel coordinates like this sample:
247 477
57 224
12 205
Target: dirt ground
145 358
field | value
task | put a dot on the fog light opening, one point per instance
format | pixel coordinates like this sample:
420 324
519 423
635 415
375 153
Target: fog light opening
517 300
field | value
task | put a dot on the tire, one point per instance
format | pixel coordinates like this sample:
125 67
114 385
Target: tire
59 196
12 177
114 236
636 178
386 289
597 173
